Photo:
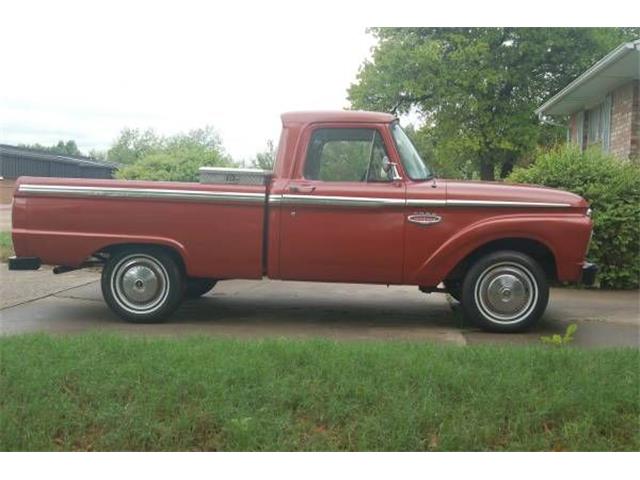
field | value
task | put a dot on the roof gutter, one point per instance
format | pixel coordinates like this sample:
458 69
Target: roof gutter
601 64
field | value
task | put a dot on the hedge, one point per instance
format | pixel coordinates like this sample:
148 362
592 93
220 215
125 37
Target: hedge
612 187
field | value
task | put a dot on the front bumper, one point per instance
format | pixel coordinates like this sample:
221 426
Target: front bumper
589 271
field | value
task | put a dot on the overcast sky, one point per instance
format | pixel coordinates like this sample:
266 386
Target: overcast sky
76 69
84 72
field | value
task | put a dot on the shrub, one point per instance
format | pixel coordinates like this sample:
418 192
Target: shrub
612 187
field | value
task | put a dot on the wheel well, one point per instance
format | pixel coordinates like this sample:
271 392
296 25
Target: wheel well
536 250
104 253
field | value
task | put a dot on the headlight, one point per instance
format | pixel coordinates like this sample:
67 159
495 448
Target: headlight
589 212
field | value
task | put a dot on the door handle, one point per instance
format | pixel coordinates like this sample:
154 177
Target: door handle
424 219
301 188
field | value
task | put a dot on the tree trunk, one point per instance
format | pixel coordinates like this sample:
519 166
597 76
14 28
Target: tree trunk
507 166
486 169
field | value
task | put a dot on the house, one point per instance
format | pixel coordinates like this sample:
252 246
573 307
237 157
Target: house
603 104
18 161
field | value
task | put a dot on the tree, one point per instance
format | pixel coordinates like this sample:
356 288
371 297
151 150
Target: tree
149 156
99 155
477 88
61 148
265 159
133 144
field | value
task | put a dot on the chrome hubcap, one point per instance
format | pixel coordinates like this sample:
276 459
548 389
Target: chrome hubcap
506 293
140 283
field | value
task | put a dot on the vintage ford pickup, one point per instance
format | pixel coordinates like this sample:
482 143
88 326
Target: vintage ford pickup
349 200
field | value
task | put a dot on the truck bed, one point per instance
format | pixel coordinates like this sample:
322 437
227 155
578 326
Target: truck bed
65 221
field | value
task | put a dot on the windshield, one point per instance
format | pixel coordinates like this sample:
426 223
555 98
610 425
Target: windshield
413 164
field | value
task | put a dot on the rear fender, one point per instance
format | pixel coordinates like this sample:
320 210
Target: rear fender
73 248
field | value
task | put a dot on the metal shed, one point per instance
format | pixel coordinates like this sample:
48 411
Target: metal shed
19 161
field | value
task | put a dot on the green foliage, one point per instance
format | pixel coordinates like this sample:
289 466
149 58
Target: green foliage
342 161
133 144
423 140
106 392
61 148
6 246
561 340
477 88
612 187
148 156
265 159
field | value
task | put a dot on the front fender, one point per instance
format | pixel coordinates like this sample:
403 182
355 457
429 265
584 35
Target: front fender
565 235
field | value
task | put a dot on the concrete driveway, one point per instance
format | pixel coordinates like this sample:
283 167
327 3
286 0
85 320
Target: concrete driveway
43 302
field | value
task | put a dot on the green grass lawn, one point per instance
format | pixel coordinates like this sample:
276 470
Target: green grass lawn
6 246
107 392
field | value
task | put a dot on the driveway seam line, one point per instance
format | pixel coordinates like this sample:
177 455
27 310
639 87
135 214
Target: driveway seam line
52 294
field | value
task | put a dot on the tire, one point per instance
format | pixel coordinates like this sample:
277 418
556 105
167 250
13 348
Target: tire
196 287
142 285
454 288
505 291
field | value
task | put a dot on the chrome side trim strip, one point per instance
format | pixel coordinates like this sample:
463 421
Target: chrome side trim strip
340 201
153 193
413 202
286 199
503 203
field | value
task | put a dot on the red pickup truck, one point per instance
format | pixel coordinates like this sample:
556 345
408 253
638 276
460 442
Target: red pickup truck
349 200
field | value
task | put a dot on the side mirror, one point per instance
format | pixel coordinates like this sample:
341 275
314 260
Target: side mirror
391 168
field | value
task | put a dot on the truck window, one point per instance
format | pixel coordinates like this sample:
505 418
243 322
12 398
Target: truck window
346 155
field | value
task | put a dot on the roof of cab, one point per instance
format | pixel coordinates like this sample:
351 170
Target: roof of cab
336 116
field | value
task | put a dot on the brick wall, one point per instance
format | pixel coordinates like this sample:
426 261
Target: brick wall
624 121
634 149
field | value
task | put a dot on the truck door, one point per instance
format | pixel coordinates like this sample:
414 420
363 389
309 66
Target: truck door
342 213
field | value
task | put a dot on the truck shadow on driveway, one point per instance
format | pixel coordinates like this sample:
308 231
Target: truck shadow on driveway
258 309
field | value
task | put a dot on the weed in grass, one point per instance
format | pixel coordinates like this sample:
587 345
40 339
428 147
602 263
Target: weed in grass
560 340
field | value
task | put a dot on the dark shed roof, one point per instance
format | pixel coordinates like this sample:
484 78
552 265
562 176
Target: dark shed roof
19 161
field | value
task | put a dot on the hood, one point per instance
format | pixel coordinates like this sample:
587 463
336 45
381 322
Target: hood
466 191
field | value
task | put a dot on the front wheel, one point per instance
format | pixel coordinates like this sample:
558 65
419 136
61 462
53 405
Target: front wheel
142 285
505 291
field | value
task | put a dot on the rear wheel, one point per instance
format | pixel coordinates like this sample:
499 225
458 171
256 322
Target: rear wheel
142 285
196 287
505 291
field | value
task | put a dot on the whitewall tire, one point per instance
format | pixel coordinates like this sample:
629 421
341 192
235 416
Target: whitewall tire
505 291
142 284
